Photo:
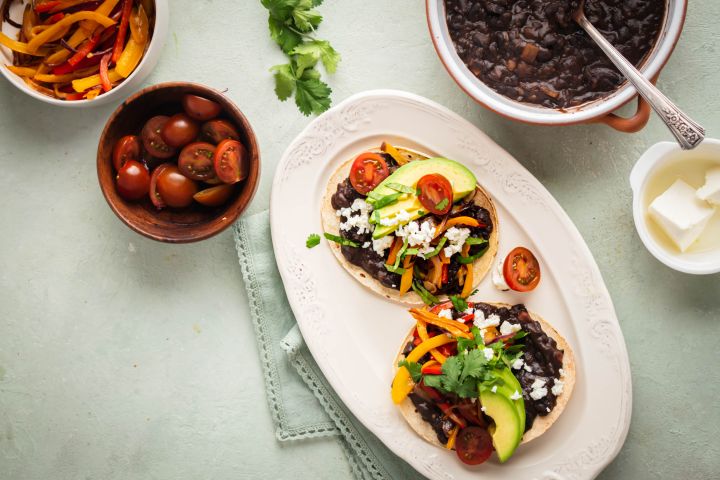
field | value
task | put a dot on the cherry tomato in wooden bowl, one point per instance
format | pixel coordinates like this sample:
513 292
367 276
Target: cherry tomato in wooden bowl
158 213
127 148
196 161
133 180
179 130
231 161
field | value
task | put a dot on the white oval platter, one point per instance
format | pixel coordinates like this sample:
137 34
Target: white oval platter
354 334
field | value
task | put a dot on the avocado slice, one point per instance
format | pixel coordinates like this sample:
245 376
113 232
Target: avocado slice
463 182
511 386
508 432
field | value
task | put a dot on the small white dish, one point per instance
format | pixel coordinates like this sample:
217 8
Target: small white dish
117 94
658 161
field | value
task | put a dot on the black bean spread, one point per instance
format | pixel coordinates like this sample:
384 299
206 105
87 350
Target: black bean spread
532 51
368 259
542 360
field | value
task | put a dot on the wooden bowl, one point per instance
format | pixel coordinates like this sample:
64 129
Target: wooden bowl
196 222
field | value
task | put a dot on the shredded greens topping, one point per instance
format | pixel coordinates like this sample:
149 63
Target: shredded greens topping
398 187
427 297
459 303
341 240
313 240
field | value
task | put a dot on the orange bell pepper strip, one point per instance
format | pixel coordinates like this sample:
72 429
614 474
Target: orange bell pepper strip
392 151
468 287
422 333
451 439
46 35
403 383
407 276
451 222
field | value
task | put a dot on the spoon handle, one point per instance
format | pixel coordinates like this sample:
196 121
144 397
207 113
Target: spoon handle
688 133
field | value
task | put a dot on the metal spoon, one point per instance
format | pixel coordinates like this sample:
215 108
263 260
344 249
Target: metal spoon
688 133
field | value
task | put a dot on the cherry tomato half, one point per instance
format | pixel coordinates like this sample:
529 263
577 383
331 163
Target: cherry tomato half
473 445
199 108
214 196
152 138
179 130
367 171
436 193
521 270
231 161
155 197
218 130
196 161
175 189
127 148
133 180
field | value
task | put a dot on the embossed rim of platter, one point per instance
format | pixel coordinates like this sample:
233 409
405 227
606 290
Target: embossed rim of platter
337 316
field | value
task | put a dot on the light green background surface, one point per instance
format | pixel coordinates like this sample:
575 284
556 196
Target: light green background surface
122 358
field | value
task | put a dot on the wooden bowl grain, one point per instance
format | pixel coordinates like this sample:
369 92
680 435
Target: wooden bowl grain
186 225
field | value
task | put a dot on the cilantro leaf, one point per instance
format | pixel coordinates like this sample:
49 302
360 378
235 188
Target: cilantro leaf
304 17
284 81
283 34
316 50
465 344
280 9
458 302
473 365
414 369
312 95
434 381
313 240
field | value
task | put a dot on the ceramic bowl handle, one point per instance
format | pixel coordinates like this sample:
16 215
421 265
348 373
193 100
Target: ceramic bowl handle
628 125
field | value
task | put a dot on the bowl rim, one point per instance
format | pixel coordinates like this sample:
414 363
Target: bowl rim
649 162
157 43
535 115
247 192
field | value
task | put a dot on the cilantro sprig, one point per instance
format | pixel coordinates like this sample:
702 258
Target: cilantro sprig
292 24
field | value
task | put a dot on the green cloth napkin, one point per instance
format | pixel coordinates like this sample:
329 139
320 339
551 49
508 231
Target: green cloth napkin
302 403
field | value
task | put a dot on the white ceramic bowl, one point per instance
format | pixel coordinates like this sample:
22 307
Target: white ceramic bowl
591 112
150 59
654 159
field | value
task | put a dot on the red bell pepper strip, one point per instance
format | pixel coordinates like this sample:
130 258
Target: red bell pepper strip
431 392
83 51
75 96
435 369
46 6
441 306
104 78
55 18
444 276
122 31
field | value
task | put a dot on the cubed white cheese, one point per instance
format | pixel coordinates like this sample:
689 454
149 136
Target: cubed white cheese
494 389
445 313
710 192
456 238
489 353
557 388
382 244
506 328
680 214
515 396
498 277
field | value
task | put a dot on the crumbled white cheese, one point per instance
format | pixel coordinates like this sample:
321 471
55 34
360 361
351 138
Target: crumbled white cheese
515 396
456 239
469 311
557 388
506 328
417 234
357 216
527 368
481 322
382 244
498 277
518 364
445 313
489 353
538 389
473 400
483 409
366 245
400 218
547 409
494 389
562 372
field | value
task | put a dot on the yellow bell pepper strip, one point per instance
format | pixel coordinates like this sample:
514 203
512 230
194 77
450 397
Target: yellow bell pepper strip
131 56
49 78
392 151
82 84
139 25
39 40
22 71
20 47
468 287
451 439
92 94
407 276
39 29
403 383
422 333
